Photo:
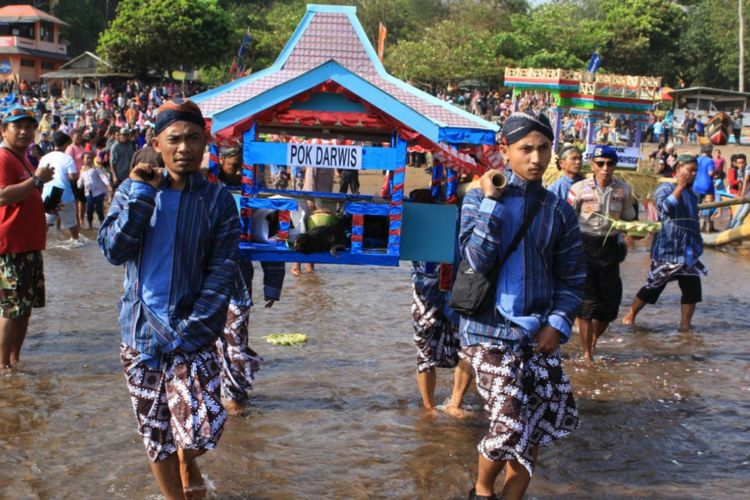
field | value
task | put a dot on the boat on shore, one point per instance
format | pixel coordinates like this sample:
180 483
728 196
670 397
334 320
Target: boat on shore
718 129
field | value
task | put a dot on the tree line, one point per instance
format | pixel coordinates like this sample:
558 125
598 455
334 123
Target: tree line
430 42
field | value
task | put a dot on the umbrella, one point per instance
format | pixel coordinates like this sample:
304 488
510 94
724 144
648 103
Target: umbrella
664 93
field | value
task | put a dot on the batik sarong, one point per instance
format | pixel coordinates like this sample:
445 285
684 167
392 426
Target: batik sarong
661 273
239 362
436 338
529 401
177 405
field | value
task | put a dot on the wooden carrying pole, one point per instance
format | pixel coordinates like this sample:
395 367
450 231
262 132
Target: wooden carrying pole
727 203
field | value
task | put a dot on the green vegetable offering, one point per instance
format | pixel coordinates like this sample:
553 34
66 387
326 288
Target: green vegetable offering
286 338
637 229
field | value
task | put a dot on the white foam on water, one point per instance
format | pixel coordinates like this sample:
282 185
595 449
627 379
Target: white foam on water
466 407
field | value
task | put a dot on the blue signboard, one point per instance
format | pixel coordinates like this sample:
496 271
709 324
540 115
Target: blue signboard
5 67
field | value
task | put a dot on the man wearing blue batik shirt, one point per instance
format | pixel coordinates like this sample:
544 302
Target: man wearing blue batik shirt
177 236
513 348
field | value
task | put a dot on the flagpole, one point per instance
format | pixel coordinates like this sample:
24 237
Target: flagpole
742 46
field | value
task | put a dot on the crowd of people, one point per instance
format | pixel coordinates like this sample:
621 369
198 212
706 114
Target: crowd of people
543 273
717 180
662 126
92 144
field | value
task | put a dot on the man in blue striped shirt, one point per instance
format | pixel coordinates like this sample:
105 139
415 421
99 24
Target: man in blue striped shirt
676 248
570 162
513 347
177 236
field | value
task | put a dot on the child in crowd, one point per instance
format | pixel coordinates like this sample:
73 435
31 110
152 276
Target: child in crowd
707 215
95 184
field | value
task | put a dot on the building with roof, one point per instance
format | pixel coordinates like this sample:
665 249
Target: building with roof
29 43
709 99
83 75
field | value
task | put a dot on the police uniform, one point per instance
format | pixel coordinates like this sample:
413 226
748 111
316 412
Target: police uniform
596 208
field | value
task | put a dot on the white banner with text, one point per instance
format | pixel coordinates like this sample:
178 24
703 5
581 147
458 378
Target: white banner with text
628 157
324 156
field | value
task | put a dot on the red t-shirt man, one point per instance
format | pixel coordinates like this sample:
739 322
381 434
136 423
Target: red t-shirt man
22 225
23 234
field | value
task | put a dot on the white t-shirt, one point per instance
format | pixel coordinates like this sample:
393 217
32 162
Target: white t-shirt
63 165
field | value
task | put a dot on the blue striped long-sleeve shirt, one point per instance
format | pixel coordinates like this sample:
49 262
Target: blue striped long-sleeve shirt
541 282
680 240
562 185
203 269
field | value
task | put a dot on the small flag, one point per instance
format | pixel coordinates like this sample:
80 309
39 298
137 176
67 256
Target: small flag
245 42
594 63
240 66
382 33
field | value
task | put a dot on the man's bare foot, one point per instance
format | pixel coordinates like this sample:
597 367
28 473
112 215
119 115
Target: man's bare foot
629 319
195 492
7 370
235 407
194 486
430 413
684 328
295 270
309 268
456 411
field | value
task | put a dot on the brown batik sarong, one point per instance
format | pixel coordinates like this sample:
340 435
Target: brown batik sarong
177 405
239 362
529 401
436 338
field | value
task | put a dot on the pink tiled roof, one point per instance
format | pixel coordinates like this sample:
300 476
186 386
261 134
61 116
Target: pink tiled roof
331 36
436 112
245 92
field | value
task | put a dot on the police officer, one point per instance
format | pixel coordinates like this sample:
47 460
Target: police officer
598 202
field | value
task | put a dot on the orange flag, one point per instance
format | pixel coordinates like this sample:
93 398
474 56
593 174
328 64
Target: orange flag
382 33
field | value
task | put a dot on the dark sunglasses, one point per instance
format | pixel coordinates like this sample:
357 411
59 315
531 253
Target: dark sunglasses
607 163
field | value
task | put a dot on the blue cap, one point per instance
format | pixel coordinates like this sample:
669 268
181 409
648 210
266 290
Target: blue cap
605 152
18 113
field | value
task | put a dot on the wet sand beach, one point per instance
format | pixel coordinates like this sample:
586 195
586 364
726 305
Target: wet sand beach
664 414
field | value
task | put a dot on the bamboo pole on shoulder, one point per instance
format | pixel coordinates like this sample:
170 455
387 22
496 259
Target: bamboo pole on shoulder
727 203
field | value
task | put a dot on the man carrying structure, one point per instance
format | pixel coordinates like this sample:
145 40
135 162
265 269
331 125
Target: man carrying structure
436 337
513 346
177 236
569 161
598 202
676 248
22 235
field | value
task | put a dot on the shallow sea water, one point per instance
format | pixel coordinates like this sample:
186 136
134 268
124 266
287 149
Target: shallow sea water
663 414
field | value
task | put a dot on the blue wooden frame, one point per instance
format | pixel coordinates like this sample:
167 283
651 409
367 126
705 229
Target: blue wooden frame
254 196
